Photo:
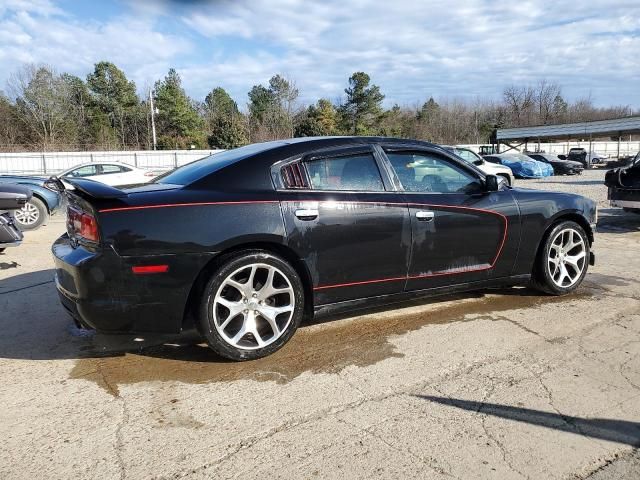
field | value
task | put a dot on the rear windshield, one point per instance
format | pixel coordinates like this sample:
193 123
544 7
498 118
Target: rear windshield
194 171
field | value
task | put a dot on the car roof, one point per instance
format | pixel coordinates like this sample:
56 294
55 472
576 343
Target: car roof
101 162
249 167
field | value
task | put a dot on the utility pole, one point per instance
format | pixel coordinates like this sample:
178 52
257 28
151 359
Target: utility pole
153 121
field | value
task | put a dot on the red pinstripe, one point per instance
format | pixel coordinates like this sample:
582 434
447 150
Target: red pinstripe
364 282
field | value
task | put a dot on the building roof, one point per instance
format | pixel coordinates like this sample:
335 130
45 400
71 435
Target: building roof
616 126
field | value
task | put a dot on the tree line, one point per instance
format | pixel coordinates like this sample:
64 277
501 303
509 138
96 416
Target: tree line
45 110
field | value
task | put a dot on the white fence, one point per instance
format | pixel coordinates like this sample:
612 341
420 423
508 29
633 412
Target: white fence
49 163
608 149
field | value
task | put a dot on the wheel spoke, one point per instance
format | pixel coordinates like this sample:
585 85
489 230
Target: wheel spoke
234 309
241 333
574 259
268 290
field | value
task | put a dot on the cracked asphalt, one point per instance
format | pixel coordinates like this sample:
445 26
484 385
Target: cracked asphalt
498 384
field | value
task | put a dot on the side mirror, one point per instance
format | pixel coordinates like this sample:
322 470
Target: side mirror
478 162
491 183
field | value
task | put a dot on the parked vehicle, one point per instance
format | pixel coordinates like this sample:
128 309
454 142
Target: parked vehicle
579 154
487 167
12 197
560 167
110 173
521 165
624 186
247 242
42 204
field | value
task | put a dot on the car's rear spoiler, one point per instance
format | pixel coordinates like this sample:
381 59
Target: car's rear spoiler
87 187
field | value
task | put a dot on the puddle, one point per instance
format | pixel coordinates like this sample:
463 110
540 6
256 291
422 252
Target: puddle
326 348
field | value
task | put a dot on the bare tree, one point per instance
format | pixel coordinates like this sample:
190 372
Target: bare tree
546 95
43 104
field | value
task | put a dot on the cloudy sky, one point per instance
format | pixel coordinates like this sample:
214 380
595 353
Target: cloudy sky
413 49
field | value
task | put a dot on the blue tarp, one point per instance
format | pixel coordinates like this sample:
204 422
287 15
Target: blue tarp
527 167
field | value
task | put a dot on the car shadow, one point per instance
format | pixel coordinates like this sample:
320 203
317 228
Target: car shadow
616 220
576 182
619 431
36 327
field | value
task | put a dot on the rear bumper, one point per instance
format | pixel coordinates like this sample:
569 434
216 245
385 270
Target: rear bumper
100 291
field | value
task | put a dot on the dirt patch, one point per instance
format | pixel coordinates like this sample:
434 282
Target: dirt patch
328 348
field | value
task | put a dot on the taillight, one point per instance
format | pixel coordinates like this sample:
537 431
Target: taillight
82 224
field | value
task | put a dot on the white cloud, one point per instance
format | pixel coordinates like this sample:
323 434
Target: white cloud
415 49
467 48
49 36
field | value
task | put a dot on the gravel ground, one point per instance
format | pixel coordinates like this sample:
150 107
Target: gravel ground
499 384
590 184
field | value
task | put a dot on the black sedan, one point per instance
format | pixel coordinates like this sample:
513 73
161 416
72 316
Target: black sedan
246 243
560 167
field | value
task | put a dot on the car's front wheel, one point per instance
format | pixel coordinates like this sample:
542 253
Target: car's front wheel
32 215
507 179
563 259
251 306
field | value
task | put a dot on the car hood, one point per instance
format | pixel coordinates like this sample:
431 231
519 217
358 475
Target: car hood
488 167
30 179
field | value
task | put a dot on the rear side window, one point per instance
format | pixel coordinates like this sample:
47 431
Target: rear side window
111 169
353 173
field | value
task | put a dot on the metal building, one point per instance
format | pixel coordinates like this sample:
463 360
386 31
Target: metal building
614 128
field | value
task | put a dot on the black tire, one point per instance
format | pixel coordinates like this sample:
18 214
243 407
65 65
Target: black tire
227 267
41 211
506 178
2 250
541 278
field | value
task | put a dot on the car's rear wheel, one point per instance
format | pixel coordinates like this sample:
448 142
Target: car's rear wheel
32 215
251 306
563 259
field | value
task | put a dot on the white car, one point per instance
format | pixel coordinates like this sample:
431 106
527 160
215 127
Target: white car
109 173
487 167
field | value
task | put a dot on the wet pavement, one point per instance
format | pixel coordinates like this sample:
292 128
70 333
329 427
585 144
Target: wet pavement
494 384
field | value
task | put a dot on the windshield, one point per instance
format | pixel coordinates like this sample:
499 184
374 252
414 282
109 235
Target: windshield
467 155
636 161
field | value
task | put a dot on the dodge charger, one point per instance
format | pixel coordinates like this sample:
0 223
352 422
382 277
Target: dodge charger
247 243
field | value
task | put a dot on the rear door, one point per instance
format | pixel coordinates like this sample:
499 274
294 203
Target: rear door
110 174
346 222
461 233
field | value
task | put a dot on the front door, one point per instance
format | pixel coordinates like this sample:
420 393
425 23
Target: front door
346 223
461 233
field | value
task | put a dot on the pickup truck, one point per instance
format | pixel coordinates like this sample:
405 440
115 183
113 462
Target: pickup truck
624 186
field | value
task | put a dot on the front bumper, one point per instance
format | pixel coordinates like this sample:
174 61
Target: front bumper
10 234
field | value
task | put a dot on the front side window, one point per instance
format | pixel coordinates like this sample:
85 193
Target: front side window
428 172
354 173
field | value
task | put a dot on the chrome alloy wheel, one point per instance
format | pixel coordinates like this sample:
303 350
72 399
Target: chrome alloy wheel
27 215
253 306
567 258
